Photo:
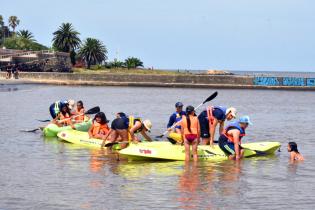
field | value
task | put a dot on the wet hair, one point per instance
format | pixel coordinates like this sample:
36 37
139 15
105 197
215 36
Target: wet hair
189 110
67 111
80 102
121 114
102 116
293 147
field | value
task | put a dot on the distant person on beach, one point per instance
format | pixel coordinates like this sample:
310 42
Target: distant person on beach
294 152
176 117
210 118
15 71
9 71
230 139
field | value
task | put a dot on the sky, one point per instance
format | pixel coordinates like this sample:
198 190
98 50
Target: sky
252 35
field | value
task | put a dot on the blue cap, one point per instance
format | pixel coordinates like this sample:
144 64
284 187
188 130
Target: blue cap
245 119
179 104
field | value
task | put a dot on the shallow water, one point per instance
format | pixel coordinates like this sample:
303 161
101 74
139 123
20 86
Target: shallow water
38 173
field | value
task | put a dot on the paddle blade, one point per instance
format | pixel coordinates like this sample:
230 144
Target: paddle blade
30 131
43 120
210 98
160 136
94 110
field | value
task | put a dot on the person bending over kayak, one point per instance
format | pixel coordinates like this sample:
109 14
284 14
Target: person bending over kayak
230 139
99 128
176 117
63 118
190 131
54 108
79 110
294 152
124 128
210 118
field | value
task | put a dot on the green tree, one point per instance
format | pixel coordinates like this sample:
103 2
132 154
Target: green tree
115 64
26 34
66 39
93 51
20 43
13 22
133 62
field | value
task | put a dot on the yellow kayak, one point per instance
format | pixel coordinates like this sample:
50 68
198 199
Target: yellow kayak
82 138
167 151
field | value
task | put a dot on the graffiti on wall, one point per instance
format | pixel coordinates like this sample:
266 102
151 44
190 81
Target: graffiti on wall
293 81
310 82
285 81
266 81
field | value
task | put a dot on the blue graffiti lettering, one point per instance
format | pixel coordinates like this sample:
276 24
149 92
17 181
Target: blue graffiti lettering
266 81
310 82
293 81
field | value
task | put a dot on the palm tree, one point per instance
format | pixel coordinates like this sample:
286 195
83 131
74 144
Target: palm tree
133 62
93 51
66 39
13 22
1 21
26 34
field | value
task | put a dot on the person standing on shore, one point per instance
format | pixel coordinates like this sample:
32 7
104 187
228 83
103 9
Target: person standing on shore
230 139
210 118
9 71
176 117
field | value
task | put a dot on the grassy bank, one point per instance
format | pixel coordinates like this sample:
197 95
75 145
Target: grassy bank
127 71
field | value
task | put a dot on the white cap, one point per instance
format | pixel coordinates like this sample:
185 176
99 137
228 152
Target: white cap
147 124
231 110
71 103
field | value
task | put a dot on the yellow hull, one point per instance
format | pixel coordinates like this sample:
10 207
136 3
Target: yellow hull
168 151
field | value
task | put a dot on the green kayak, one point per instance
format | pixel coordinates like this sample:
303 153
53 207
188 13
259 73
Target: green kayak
51 130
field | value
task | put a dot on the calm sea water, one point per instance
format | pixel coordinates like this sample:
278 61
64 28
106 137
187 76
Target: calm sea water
39 173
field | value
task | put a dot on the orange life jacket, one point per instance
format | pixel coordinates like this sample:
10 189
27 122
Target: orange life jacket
234 126
81 113
65 120
97 128
193 125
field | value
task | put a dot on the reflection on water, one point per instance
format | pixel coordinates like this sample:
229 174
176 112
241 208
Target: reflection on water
46 173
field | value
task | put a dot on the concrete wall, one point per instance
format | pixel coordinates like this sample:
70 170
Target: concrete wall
188 81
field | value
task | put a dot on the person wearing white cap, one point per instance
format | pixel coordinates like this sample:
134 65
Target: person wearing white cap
210 118
54 108
230 139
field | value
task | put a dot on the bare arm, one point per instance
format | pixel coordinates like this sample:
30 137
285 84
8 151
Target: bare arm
221 129
212 130
134 128
105 137
236 137
146 136
90 132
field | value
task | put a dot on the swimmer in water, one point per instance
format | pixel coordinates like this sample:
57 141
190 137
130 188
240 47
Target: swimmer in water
294 152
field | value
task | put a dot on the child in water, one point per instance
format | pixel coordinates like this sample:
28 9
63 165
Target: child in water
190 132
99 128
294 152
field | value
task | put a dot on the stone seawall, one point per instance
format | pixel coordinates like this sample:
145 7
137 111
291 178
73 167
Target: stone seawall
150 80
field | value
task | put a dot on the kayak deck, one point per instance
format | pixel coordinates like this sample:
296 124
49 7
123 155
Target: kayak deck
81 138
51 130
168 151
